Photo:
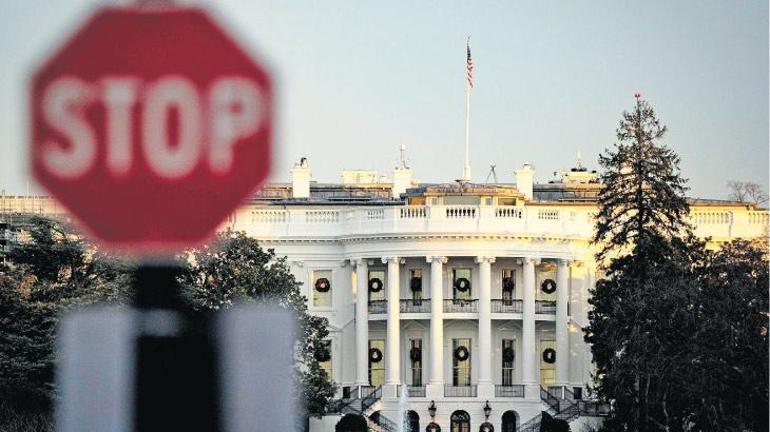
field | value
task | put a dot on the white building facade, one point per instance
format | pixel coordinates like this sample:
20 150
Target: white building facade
447 299
461 303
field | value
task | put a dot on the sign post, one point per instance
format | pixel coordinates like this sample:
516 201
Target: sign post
150 125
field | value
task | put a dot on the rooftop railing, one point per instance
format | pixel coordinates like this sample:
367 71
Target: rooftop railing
536 219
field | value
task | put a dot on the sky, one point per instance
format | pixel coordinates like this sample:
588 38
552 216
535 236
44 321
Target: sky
356 79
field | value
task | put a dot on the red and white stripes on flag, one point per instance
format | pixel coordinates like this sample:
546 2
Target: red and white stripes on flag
470 64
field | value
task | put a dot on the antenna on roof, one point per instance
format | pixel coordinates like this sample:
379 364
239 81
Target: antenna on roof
402 163
579 160
492 174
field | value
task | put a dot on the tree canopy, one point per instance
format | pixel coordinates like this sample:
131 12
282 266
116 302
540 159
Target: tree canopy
236 269
672 325
50 271
52 268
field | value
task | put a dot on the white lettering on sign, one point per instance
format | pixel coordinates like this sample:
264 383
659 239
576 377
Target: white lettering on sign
119 98
233 105
167 159
236 114
64 103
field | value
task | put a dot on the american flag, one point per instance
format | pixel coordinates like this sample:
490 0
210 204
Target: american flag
470 64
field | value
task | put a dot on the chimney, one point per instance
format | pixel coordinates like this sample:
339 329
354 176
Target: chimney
524 180
402 175
300 179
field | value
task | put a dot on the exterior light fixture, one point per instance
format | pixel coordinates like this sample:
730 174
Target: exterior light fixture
487 410
432 409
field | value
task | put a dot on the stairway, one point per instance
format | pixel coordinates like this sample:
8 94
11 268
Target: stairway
561 408
361 404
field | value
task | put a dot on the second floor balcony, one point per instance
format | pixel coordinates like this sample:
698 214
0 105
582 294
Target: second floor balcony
409 306
546 307
461 306
414 306
506 305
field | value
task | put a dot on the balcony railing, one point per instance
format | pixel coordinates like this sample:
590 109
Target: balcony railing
545 307
415 391
506 306
458 305
378 306
459 391
593 408
415 306
516 390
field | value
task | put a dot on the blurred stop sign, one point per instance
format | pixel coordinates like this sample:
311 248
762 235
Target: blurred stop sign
151 125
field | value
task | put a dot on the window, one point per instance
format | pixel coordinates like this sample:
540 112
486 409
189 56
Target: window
415 355
508 286
544 284
509 422
322 288
461 362
460 422
376 362
376 285
326 360
416 285
461 284
508 357
547 363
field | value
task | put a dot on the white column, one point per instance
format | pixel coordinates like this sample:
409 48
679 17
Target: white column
435 388
529 354
362 322
485 322
562 331
393 338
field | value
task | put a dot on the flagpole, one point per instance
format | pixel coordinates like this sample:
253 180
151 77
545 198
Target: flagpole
467 167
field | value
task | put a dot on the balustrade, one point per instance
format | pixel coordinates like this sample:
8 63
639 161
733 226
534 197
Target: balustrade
322 216
460 305
378 306
413 212
545 307
463 212
460 391
506 305
415 306
515 390
508 212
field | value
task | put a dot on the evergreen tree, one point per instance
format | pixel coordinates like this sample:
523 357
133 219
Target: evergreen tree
236 269
640 320
49 270
729 354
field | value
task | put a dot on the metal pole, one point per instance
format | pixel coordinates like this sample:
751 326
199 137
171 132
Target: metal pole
176 379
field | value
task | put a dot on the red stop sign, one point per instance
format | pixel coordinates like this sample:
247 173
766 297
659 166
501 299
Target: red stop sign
151 125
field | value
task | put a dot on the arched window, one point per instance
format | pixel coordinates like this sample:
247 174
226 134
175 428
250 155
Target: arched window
509 422
413 420
460 422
